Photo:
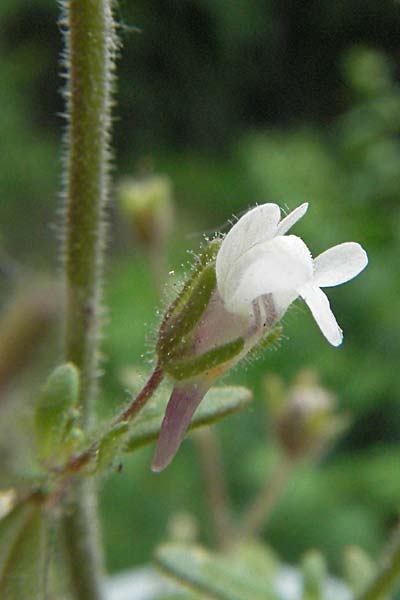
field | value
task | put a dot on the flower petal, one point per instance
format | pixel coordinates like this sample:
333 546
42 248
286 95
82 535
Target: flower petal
282 264
292 218
257 225
319 305
339 264
181 406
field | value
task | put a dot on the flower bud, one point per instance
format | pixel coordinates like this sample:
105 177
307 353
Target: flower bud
25 324
314 573
368 71
303 418
147 204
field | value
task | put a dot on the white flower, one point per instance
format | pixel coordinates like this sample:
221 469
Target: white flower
260 269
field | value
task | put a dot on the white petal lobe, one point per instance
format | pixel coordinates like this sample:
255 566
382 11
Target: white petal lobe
339 264
258 225
292 218
280 265
319 305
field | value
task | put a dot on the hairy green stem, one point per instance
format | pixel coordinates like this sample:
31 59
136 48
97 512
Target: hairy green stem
388 572
89 62
82 544
89 59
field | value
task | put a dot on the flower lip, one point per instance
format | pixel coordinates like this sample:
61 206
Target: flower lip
281 264
255 260
258 225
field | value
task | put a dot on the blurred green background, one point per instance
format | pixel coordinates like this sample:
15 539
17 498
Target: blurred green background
237 103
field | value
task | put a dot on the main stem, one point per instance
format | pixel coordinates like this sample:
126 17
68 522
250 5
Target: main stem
90 47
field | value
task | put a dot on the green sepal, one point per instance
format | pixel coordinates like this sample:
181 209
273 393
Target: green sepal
181 370
110 446
185 312
266 342
172 341
56 409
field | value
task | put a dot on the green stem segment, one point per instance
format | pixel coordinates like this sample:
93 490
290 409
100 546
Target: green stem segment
265 501
90 51
83 551
387 574
215 487
76 463
89 59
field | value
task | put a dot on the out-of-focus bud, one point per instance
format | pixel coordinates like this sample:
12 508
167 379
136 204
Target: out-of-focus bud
8 499
24 325
314 575
368 71
148 206
304 418
182 528
359 569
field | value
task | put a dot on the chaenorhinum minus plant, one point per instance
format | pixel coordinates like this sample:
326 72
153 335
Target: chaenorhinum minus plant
243 287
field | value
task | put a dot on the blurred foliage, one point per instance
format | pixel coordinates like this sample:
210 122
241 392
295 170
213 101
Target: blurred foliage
286 102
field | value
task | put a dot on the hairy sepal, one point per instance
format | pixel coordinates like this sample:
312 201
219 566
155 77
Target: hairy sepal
209 361
186 311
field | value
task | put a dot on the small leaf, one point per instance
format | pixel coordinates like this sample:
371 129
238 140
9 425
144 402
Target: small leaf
218 403
258 557
110 445
214 576
55 411
22 546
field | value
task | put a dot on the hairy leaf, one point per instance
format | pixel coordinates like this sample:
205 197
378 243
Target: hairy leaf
55 409
214 576
22 550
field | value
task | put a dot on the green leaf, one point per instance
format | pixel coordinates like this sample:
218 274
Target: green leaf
218 403
22 550
215 576
55 410
110 446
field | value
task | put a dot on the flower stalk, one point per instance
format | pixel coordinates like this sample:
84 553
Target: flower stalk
266 499
89 60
